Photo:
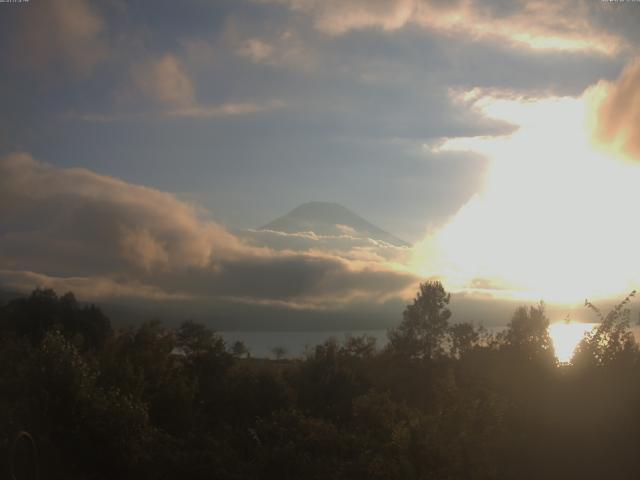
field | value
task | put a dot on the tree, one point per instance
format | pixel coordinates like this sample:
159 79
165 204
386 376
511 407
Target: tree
279 352
612 341
463 337
239 349
361 346
103 429
194 338
528 335
94 327
33 316
423 330
328 380
207 360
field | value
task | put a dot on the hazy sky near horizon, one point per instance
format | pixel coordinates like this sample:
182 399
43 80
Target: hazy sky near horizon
245 109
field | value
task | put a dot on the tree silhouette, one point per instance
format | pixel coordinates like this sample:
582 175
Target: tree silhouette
463 337
423 330
239 349
32 317
527 334
442 402
612 340
279 352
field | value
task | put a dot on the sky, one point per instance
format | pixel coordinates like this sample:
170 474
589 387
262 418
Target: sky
142 143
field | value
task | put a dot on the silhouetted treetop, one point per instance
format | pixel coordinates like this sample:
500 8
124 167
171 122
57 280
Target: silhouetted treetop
440 402
422 332
612 340
527 334
35 315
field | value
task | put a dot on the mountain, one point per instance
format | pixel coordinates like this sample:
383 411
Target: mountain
331 219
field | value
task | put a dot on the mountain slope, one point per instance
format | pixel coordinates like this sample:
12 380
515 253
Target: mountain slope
326 218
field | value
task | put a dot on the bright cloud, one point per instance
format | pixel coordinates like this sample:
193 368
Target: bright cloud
554 218
538 25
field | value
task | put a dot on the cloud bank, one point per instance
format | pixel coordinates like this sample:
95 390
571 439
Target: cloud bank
537 25
106 238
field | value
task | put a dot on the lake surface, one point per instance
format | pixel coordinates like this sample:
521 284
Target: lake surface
295 343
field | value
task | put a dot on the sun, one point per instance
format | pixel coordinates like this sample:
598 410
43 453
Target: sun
566 337
553 219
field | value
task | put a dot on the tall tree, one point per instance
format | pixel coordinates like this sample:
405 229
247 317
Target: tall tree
463 337
528 335
612 340
423 331
239 349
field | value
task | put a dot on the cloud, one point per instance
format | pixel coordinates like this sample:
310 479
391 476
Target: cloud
107 237
79 221
615 112
255 49
164 81
336 18
345 246
283 49
318 280
67 32
193 112
552 218
86 288
225 109
538 25
273 43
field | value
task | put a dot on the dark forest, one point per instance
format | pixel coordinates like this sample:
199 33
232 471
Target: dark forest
443 400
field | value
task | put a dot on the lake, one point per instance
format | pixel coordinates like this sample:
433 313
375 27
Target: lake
295 343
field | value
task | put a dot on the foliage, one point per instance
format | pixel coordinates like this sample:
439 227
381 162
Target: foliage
463 338
279 352
239 349
612 341
527 335
441 401
424 324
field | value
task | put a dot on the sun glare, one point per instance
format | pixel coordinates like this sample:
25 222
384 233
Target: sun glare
553 219
566 337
